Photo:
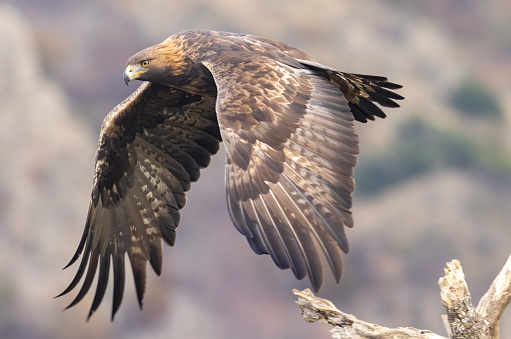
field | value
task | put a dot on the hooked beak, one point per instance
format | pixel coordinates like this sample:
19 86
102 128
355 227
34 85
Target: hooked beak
130 74
126 76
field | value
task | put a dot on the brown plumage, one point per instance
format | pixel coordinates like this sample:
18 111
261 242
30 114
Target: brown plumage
288 127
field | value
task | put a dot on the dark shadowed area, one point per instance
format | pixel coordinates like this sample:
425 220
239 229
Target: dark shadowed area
434 178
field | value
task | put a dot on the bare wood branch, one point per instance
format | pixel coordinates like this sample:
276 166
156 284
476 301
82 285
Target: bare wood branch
495 301
465 321
462 319
315 309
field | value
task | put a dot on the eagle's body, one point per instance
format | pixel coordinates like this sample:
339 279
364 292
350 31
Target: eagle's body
288 127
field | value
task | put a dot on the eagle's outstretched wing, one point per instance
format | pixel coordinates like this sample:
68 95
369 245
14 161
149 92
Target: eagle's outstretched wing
291 146
151 148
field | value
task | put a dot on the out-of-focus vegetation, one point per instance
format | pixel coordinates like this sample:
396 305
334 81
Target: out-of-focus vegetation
473 99
419 147
5 303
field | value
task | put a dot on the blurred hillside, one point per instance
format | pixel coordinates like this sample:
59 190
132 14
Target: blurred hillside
434 179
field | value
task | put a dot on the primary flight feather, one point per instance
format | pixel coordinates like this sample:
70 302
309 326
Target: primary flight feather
287 123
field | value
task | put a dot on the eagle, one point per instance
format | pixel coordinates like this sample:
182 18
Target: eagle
287 123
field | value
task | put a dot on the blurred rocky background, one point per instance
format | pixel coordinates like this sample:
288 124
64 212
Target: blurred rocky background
433 181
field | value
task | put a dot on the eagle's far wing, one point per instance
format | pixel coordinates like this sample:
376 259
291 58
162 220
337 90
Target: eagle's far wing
151 148
291 146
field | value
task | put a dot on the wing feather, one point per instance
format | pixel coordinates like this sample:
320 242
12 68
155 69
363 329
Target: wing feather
317 226
302 229
288 126
119 275
271 236
104 271
94 256
151 148
278 210
294 247
139 268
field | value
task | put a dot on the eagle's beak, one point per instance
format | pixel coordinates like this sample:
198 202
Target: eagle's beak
128 74
132 73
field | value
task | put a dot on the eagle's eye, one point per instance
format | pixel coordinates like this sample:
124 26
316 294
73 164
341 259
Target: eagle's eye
145 63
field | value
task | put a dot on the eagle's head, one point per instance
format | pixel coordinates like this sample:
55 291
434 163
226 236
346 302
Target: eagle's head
161 63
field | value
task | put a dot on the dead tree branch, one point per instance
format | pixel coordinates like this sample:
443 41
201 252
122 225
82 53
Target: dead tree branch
462 319
347 325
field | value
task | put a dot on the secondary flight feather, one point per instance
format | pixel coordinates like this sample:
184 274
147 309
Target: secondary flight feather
287 123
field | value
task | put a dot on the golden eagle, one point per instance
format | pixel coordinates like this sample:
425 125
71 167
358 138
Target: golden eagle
287 123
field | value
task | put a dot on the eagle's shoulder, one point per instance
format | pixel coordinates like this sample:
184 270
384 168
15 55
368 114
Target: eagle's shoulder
202 45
